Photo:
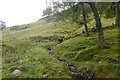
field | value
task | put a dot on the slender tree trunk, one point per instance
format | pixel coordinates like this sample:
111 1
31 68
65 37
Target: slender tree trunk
117 12
98 25
84 19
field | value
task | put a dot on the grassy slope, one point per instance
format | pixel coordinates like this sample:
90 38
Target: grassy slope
18 46
85 53
81 50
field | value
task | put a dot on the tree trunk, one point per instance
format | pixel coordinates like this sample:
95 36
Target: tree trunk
98 25
84 19
117 13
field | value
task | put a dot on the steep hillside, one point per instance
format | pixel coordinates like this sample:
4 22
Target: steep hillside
28 50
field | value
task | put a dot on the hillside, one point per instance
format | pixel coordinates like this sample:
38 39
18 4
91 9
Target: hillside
28 50
57 46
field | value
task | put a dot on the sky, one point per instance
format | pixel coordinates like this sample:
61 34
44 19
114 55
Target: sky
17 12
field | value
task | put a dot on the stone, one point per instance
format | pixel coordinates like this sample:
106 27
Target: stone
49 47
16 73
100 61
20 62
45 74
72 68
60 41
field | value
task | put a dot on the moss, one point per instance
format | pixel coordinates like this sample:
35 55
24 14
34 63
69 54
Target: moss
81 50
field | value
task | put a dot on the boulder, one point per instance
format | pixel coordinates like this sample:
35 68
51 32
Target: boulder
16 73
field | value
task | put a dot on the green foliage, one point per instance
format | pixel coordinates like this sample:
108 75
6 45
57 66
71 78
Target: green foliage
30 46
106 9
36 60
84 52
73 13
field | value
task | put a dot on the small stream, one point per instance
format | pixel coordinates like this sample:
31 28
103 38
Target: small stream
75 73
72 68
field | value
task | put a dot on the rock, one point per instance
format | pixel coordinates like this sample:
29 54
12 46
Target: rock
49 47
72 69
69 64
20 62
100 61
45 75
51 52
16 73
60 59
53 38
60 41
